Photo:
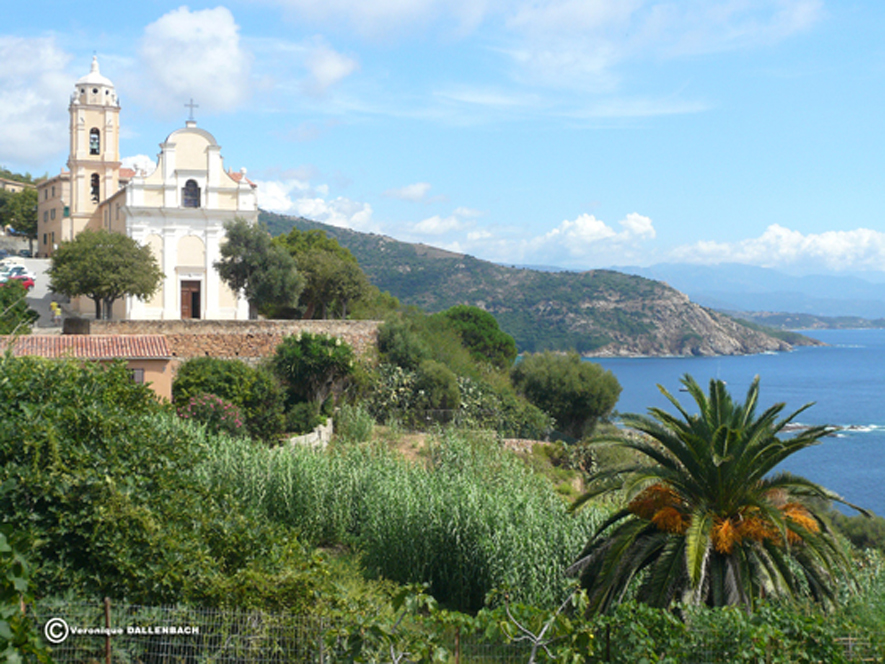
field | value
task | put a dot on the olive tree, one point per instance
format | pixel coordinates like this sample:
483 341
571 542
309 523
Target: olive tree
252 265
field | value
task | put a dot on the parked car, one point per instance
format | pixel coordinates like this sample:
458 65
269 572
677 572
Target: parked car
26 280
16 271
25 253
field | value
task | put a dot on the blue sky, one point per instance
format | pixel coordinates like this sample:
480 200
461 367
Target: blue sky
576 133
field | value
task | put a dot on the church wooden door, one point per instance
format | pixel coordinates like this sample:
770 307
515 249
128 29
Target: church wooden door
190 299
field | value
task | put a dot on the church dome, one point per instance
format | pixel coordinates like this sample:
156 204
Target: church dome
94 76
95 89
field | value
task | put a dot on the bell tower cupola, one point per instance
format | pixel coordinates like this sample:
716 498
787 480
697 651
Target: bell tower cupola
94 160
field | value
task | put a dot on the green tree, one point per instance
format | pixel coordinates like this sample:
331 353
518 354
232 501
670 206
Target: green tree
334 278
313 366
706 520
104 266
481 335
576 393
252 265
16 317
19 210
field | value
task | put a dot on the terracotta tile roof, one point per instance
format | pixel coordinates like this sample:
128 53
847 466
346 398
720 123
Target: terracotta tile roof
90 347
236 177
127 173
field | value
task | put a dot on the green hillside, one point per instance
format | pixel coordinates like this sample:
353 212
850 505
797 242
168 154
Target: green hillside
592 311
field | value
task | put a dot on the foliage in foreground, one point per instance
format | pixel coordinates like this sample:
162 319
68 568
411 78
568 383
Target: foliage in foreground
704 520
417 629
19 641
472 519
107 492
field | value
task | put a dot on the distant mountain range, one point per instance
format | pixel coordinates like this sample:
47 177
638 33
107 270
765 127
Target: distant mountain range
734 287
598 312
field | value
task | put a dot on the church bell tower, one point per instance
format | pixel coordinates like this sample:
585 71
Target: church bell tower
94 160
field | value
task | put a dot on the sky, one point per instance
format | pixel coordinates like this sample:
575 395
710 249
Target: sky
572 133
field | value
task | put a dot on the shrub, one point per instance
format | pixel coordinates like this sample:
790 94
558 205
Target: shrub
437 387
16 317
501 410
304 417
400 345
218 415
576 393
254 391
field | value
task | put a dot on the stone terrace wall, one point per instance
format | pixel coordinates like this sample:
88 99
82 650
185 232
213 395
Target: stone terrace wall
245 340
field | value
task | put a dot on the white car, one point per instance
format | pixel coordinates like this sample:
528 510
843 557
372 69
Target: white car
10 271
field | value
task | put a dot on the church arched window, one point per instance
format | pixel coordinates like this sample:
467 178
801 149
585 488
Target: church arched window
94 141
96 188
190 194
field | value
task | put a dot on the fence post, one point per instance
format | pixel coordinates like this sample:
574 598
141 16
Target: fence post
107 624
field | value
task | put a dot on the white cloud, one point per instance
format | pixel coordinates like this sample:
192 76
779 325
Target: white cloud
778 246
584 242
580 43
467 212
280 195
414 193
299 197
437 225
326 67
139 162
34 90
380 18
194 54
579 235
340 211
637 226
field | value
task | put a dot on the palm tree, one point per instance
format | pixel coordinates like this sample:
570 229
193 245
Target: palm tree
706 520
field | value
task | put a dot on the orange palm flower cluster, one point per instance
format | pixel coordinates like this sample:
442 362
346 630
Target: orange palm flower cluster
725 535
661 505
664 507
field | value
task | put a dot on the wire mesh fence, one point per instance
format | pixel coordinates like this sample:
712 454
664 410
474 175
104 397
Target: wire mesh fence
102 633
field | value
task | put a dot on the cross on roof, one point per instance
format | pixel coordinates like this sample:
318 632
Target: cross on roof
191 105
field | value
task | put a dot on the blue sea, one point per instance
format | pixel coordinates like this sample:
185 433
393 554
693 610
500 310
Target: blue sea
845 380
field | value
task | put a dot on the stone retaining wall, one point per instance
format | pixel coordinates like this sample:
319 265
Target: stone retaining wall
319 437
226 339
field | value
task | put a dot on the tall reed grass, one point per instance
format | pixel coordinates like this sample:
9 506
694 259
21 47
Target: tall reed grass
470 519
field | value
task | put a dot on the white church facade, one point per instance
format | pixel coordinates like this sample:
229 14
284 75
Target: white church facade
178 209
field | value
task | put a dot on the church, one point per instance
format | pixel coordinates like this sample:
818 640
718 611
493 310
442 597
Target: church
178 210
